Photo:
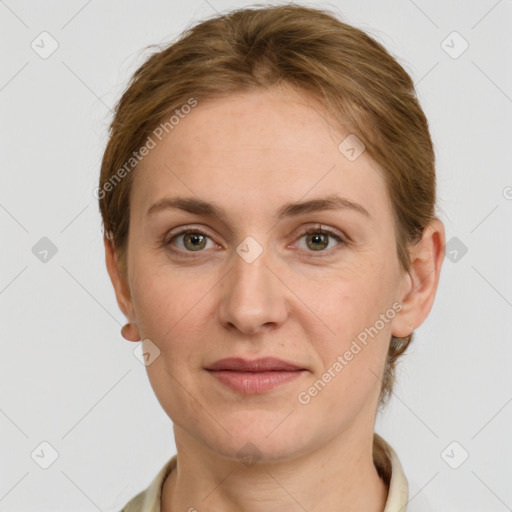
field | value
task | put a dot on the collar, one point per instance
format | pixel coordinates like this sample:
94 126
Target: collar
385 459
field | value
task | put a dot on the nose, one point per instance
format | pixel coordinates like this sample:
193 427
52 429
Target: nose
254 297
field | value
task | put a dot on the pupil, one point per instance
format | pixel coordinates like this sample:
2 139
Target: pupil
195 240
316 238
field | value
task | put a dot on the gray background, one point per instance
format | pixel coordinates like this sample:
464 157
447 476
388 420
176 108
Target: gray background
68 378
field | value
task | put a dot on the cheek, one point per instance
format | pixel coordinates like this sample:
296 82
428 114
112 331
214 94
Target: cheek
358 311
171 314
350 375
160 295
173 310
351 302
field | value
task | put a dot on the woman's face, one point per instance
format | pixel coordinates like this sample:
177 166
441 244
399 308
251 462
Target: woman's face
250 283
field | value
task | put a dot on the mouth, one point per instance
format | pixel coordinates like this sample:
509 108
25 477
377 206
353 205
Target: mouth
254 382
263 364
254 377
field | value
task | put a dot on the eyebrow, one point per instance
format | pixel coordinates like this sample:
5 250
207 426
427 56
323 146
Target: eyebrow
205 208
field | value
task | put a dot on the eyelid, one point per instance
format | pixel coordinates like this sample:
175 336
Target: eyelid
181 230
322 228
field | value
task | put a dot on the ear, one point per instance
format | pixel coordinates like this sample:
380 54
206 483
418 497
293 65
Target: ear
421 281
119 277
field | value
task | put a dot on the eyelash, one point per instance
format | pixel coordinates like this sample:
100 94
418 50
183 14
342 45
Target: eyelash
313 230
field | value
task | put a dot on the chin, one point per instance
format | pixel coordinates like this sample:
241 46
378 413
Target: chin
260 436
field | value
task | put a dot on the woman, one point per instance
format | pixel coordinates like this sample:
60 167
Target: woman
268 200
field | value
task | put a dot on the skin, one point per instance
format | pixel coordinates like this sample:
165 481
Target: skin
251 153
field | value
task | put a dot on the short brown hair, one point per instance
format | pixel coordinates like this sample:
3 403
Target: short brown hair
354 76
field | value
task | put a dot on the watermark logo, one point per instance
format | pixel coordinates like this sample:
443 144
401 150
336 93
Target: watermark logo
351 147
304 397
137 156
44 45
454 455
249 249
44 455
455 249
146 352
44 250
249 454
454 45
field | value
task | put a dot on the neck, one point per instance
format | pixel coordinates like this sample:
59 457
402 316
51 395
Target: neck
341 475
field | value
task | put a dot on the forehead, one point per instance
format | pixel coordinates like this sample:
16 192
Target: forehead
257 150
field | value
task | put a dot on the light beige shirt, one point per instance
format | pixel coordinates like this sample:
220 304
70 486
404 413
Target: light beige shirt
386 461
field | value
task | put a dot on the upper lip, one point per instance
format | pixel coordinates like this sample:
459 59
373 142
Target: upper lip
265 364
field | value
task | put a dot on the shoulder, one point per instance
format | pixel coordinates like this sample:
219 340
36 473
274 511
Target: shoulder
136 503
148 500
391 471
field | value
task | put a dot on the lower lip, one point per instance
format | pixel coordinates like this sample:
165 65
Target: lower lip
255 382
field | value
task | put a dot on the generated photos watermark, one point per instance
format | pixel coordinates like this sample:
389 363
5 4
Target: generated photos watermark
304 397
137 156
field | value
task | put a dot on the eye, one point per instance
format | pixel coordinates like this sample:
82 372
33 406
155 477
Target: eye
192 240
195 240
317 239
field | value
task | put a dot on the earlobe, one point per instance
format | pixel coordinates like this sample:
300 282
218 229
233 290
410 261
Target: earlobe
130 332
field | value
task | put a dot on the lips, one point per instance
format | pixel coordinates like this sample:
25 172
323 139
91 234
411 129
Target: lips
265 364
254 377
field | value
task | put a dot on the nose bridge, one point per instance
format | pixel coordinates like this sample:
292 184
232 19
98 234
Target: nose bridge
251 272
252 295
